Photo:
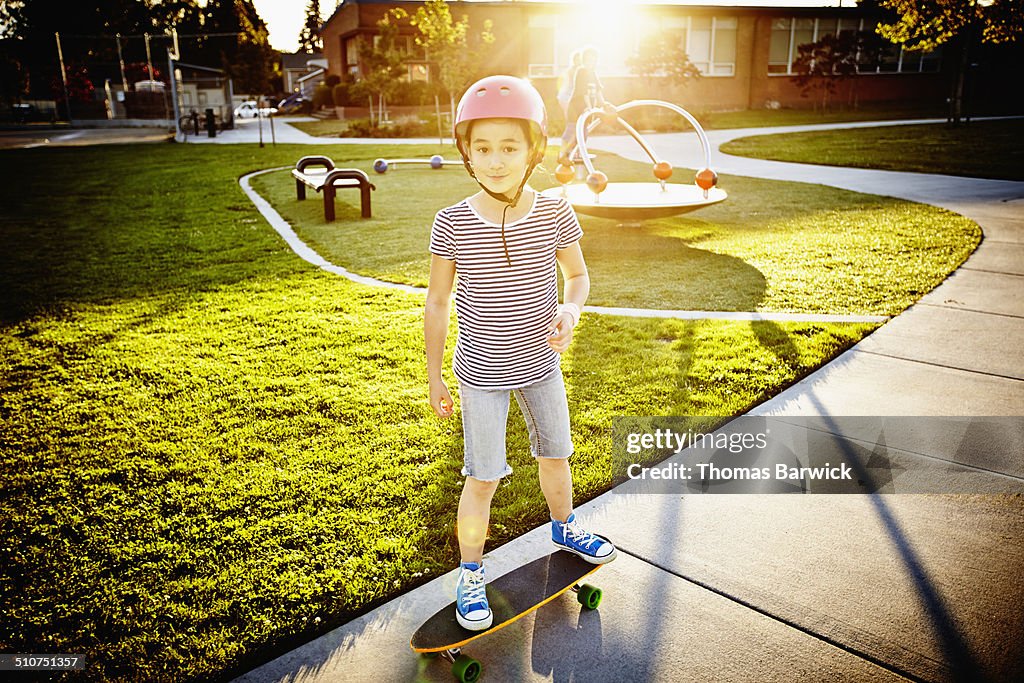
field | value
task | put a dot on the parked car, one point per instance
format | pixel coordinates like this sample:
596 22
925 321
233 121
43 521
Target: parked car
249 110
292 104
23 113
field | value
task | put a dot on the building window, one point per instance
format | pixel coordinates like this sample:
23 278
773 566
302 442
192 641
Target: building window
542 52
710 43
790 33
929 60
779 49
351 51
542 46
419 73
888 60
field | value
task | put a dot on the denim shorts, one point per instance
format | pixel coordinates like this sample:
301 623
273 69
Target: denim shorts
484 418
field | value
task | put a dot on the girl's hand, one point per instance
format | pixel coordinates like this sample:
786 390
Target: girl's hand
560 332
440 400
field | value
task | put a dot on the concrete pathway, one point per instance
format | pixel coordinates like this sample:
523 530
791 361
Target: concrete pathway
760 587
65 136
248 131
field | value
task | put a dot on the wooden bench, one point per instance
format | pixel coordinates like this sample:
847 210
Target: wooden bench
328 179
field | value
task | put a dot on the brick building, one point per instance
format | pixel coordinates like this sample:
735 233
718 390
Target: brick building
745 54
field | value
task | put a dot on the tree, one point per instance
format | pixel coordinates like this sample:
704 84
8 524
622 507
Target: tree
86 28
79 87
185 15
246 56
10 18
13 79
927 24
381 59
834 59
309 37
662 61
445 43
139 71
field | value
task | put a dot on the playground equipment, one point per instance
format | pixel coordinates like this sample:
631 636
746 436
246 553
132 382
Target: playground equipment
634 201
435 162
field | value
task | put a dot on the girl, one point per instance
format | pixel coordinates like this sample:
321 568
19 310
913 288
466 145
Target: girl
503 244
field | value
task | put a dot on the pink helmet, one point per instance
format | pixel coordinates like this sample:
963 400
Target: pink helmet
502 97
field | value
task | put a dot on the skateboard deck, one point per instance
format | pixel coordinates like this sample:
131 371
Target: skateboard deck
510 597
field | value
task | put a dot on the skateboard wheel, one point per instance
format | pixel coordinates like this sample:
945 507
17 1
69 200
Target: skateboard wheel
466 669
589 596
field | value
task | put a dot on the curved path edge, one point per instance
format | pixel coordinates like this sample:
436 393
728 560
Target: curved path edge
303 250
310 255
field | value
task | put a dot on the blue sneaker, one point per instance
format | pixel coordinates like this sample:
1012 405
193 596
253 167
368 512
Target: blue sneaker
572 537
471 607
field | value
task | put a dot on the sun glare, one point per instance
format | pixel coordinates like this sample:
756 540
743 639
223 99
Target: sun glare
612 26
606 17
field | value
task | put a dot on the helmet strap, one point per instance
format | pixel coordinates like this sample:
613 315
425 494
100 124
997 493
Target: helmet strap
509 203
504 199
538 156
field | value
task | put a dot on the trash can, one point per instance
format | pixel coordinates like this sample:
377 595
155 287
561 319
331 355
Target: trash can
211 124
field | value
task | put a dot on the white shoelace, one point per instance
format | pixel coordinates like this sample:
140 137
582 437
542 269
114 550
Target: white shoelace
574 532
473 586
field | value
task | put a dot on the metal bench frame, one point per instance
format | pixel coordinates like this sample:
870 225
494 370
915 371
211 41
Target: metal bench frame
330 182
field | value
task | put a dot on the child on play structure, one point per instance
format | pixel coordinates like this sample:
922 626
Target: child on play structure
587 91
503 245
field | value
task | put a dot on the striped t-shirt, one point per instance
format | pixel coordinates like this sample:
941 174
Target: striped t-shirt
504 311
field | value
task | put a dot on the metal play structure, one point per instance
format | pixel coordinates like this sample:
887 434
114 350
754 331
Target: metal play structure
634 201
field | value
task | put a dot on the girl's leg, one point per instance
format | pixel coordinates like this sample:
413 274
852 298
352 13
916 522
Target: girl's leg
566 531
474 515
484 416
556 484
471 607
546 412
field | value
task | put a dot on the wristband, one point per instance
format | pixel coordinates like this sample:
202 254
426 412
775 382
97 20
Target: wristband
572 309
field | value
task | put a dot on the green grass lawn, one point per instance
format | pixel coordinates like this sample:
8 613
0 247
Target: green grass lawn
771 247
424 126
321 128
982 149
212 451
761 118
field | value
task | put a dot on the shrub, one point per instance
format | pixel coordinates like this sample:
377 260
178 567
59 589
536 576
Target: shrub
322 97
342 95
405 127
412 93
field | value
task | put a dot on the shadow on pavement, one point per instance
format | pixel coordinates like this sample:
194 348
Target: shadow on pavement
962 664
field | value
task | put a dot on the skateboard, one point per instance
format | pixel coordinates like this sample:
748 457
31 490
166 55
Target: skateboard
511 597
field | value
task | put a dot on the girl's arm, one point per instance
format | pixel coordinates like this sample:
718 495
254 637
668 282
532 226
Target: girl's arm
575 293
435 331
